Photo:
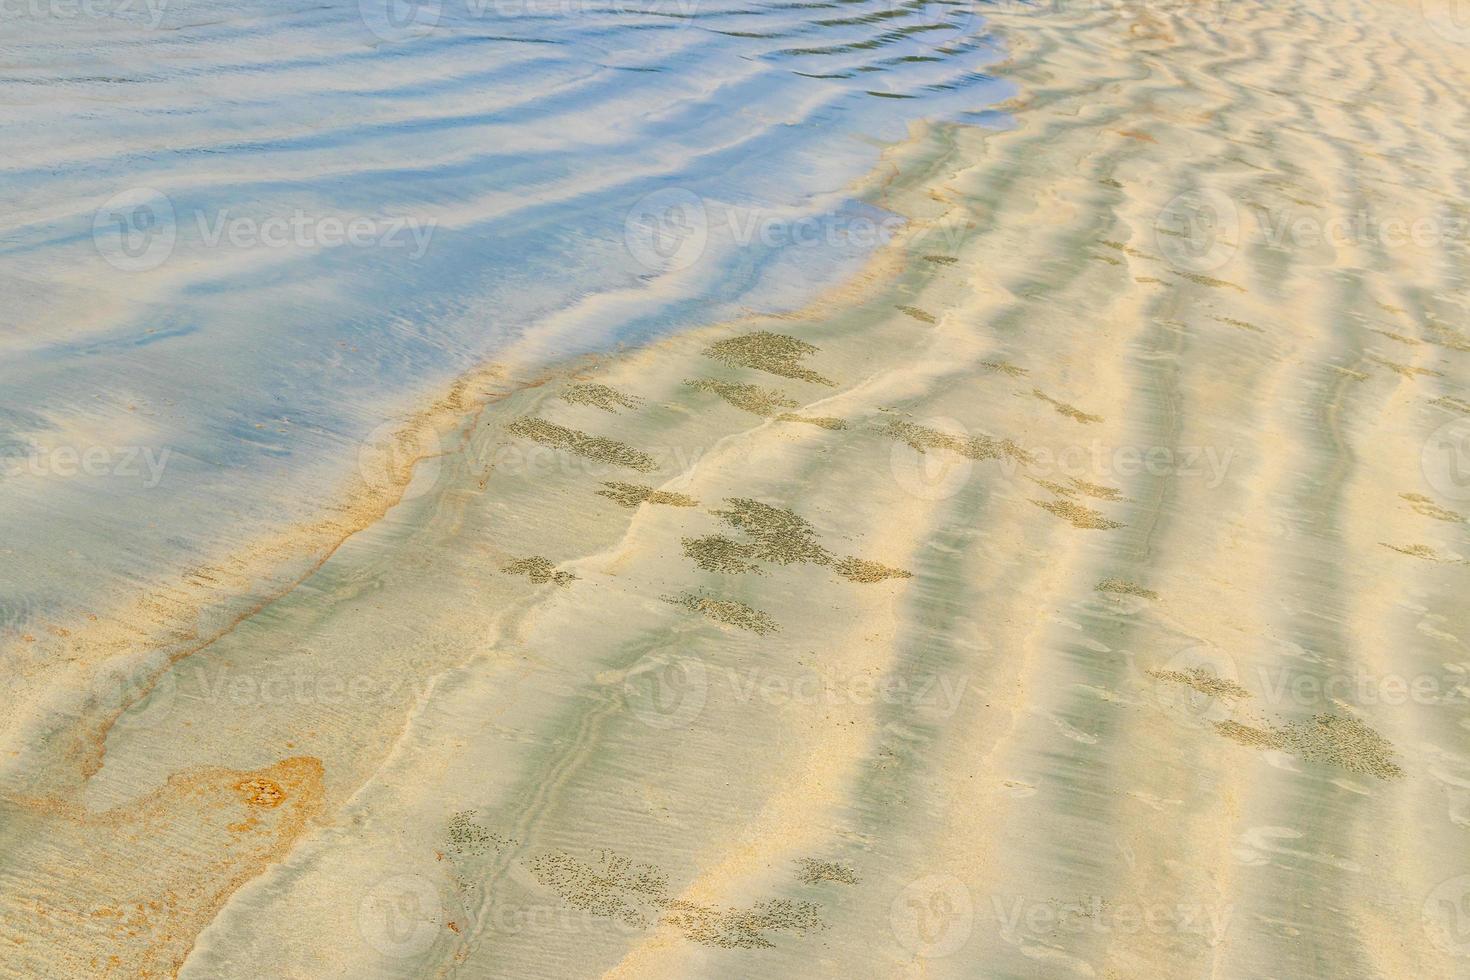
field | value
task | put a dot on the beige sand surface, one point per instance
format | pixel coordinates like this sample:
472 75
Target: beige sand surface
1077 592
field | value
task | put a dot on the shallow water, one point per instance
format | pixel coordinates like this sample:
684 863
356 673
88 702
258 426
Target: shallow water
243 236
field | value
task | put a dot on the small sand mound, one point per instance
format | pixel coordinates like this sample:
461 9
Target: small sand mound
1428 508
1096 490
825 422
748 398
774 353
917 314
861 570
814 872
633 494
539 570
466 836
717 553
615 888
1004 368
924 439
1065 409
1452 403
742 928
599 396
1121 587
1334 739
780 536
580 443
1077 515
1204 682
726 611
1414 550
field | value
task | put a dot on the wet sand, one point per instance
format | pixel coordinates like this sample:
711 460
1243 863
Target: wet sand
1070 593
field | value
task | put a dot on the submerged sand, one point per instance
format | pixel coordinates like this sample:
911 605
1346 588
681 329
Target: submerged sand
1021 608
